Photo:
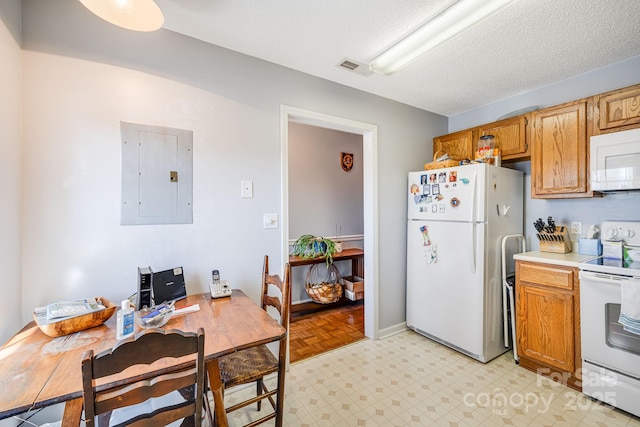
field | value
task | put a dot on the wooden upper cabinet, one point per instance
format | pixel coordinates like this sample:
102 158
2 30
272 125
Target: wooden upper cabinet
559 153
617 110
511 137
459 145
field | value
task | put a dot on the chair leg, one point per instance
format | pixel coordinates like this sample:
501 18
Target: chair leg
259 392
280 393
207 410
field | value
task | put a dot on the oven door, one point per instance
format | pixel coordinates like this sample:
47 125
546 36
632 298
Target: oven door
604 341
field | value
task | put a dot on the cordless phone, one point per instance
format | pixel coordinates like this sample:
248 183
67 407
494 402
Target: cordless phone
219 288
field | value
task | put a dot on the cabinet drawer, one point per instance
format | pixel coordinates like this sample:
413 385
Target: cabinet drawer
546 274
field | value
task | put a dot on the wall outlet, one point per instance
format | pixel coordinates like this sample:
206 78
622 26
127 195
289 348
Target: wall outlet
576 227
246 189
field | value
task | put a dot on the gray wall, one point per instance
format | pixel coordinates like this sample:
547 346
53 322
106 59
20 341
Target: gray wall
620 206
11 166
81 78
323 198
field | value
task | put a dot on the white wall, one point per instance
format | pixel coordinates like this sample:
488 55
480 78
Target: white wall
621 206
74 244
80 80
11 166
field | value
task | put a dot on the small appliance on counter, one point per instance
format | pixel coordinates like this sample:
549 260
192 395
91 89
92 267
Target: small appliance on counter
552 238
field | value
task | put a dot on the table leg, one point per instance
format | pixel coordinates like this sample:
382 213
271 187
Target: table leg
72 413
215 384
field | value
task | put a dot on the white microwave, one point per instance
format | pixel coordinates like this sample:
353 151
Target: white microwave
615 161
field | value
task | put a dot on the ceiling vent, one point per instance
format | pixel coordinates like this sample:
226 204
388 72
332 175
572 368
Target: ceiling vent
355 67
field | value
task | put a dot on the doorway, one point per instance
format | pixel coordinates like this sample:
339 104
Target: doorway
370 205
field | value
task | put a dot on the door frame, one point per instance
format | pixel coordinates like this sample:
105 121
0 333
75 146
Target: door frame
369 134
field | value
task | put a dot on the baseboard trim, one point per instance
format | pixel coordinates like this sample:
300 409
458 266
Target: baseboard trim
392 330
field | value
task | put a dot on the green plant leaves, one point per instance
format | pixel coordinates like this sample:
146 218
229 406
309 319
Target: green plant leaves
309 246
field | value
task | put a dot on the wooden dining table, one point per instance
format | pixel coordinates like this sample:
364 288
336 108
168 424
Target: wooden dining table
41 371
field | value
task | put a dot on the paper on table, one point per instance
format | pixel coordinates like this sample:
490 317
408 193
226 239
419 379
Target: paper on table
188 309
60 310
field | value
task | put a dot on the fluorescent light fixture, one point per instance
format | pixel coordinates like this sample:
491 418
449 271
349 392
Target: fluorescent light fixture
137 15
452 21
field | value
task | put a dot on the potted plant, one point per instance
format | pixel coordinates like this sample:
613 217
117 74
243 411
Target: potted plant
322 288
309 246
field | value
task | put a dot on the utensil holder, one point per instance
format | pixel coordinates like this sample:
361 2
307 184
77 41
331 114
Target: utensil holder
557 242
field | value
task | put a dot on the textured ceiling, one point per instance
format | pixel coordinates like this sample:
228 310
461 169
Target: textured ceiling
529 44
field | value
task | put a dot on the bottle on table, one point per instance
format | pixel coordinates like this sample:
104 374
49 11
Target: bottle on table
124 321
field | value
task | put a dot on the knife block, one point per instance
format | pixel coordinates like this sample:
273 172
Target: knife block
558 241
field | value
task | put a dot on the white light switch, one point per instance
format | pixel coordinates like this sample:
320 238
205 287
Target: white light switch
246 189
270 220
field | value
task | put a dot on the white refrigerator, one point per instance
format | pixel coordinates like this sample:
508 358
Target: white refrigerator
457 218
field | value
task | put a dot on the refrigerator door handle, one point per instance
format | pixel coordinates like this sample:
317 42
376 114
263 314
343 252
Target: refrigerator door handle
473 247
474 195
474 208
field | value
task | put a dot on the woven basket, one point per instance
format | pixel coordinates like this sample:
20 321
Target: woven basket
441 164
323 287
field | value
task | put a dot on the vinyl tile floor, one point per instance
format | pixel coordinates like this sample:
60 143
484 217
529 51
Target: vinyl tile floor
408 380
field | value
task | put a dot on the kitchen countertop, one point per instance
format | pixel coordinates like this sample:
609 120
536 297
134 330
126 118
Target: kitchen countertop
571 259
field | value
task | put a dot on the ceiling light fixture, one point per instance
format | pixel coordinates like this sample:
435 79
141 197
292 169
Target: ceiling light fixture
452 21
137 15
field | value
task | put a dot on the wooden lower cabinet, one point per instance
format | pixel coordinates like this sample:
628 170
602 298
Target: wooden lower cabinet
548 321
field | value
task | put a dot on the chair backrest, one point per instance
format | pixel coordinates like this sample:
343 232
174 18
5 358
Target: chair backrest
283 303
146 348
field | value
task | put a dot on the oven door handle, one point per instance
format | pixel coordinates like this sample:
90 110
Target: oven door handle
607 278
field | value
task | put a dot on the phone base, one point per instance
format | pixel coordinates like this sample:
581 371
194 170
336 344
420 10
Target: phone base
220 289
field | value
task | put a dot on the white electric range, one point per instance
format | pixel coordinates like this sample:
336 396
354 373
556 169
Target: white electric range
610 353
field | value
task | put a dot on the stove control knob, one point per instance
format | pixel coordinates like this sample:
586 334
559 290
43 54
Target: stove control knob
611 233
628 233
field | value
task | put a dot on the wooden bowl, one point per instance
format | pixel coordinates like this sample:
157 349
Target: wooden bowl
78 323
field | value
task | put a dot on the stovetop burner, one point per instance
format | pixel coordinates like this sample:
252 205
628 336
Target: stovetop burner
618 263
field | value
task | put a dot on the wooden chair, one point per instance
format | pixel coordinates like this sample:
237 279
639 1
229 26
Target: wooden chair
177 393
253 364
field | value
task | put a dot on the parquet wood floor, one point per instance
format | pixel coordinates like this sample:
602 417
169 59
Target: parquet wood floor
315 333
